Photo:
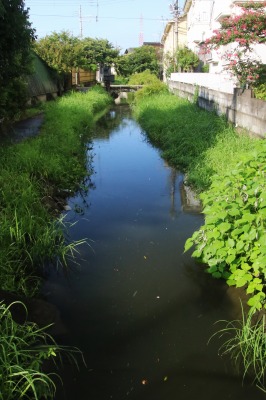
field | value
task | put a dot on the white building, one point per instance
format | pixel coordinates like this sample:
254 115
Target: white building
203 17
174 37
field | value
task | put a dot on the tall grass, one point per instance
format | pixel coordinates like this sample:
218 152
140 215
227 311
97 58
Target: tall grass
32 174
24 348
245 343
196 141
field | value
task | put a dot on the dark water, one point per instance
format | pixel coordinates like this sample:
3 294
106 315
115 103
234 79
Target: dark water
140 310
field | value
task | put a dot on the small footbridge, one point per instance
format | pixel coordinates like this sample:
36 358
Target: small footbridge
124 88
119 92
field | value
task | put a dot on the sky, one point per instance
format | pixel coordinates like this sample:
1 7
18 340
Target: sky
125 23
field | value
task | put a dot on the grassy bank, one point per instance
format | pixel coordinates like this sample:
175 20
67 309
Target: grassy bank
192 140
35 176
34 173
228 170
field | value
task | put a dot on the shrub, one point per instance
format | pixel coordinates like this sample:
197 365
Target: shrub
23 350
143 78
187 60
246 345
33 175
120 80
260 91
152 89
232 241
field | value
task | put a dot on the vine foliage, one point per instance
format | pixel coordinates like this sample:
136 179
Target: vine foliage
232 242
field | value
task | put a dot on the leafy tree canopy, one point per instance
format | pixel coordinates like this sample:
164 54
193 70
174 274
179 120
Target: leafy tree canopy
139 60
16 36
63 52
187 60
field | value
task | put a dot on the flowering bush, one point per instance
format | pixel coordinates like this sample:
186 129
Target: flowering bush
244 68
245 30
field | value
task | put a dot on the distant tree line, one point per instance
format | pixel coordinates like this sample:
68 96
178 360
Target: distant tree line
61 51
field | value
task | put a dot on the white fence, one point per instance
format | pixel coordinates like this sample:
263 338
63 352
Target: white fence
219 82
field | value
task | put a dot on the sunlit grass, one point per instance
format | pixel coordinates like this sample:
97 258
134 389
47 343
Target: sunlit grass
198 142
244 341
24 348
31 173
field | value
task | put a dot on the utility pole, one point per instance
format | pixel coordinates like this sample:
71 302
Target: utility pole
81 22
174 9
97 15
141 31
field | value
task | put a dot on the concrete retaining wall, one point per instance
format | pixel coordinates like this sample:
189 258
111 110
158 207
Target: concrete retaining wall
239 107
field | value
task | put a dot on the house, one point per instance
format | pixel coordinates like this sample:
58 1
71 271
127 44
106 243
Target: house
203 17
218 90
174 37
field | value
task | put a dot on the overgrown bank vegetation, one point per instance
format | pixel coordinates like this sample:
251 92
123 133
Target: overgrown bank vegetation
228 170
35 174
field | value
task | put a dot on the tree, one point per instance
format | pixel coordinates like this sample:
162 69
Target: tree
17 37
139 60
186 59
63 52
244 30
183 59
59 50
96 52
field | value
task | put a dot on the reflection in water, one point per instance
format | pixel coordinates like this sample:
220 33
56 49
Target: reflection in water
140 309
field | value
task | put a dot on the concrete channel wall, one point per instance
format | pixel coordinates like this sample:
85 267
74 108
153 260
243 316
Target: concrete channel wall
238 106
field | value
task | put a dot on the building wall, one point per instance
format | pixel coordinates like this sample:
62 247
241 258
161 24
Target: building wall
174 37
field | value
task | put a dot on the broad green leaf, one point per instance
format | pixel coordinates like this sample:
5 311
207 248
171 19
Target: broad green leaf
231 242
230 258
217 275
234 212
248 217
212 269
189 243
241 282
240 245
197 253
224 227
231 282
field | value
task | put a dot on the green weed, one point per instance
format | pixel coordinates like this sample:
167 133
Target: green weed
245 343
191 139
33 172
24 348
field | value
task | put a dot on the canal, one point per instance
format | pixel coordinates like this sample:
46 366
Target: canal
141 310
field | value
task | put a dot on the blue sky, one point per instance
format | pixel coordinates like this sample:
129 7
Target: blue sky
123 22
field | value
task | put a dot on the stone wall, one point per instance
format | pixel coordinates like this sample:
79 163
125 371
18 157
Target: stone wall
239 108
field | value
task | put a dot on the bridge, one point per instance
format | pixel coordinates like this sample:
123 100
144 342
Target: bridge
120 92
125 88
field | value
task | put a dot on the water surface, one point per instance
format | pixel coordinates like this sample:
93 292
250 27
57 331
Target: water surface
140 309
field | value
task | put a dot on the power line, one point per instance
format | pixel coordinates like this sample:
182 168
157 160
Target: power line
122 18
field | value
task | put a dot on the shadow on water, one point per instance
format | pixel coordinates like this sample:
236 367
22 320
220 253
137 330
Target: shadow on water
140 309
